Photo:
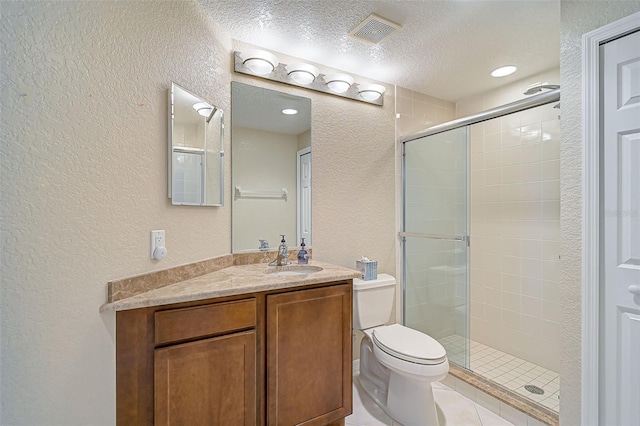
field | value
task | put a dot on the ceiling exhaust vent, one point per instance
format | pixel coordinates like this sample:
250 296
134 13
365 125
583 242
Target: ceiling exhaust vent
374 29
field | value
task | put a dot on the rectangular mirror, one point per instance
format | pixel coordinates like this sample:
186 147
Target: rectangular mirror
271 167
196 150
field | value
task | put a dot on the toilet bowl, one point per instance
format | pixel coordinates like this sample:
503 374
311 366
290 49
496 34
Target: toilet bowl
397 364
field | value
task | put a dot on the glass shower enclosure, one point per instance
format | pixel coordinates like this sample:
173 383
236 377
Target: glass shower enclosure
436 227
435 240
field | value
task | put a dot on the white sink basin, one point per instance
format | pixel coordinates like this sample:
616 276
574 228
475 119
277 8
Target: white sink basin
292 270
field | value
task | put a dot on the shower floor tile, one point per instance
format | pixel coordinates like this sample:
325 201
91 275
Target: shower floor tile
509 371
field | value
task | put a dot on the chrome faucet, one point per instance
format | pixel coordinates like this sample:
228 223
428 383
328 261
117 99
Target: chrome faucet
283 254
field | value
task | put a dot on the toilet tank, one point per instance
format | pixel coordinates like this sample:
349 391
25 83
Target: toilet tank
373 301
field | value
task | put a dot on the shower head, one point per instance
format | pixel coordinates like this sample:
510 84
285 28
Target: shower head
537 87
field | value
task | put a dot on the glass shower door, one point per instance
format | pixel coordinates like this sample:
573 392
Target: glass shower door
435 240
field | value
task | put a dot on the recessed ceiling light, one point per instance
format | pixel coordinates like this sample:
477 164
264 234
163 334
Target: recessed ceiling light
289 111
504 71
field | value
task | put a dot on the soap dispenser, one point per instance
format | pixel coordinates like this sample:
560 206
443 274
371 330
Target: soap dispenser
303 256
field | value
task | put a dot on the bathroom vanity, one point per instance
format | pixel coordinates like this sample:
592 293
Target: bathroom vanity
280 355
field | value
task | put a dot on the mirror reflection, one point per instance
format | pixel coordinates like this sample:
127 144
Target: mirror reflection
271 167
196 150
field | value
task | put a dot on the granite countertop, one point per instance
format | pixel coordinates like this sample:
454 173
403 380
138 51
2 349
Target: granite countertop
231 281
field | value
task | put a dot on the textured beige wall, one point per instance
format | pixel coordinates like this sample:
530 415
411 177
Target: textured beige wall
84 130
84 181
578 18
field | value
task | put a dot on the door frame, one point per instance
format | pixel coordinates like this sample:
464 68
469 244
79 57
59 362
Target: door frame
299 155
591 42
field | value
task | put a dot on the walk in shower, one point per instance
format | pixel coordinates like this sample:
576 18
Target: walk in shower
480 238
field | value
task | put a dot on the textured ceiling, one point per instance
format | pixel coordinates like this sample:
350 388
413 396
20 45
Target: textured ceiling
445 48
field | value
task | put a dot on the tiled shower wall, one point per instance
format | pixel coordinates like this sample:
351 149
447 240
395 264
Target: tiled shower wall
416 111
515 234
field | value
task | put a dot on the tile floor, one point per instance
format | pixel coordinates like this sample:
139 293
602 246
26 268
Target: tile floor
509 371
453 410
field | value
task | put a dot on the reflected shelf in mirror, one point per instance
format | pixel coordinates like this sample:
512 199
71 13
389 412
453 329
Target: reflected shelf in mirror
243 193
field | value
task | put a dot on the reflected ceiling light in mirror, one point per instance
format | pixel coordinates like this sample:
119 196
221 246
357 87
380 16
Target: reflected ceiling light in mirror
289 111
302 73
338 82
371 92
258 61
504 71
203 108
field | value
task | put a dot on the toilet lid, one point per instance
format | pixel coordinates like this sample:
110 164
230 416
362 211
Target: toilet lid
409 345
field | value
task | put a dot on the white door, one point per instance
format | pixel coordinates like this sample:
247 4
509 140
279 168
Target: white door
304 196
620 294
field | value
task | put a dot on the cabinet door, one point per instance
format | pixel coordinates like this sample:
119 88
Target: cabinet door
207 382
309 356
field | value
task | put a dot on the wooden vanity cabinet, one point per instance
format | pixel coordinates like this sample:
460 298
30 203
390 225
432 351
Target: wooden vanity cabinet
207 381
309 356
188 364
271 358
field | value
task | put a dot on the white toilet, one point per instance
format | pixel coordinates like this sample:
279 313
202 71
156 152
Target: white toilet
397 364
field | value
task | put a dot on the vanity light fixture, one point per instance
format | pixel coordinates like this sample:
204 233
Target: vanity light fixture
289 111
302 73
371 92
504 71
338 82
203 108
260 62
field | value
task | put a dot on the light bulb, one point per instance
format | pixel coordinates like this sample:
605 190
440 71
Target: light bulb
338 82
371 92
260 62
302 73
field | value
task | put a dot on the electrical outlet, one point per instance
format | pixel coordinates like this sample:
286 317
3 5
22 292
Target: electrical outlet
158 250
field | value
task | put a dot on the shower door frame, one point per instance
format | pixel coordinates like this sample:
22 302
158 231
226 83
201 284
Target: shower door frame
517 106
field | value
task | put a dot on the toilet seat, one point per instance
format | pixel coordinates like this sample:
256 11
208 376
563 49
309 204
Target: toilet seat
409 345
